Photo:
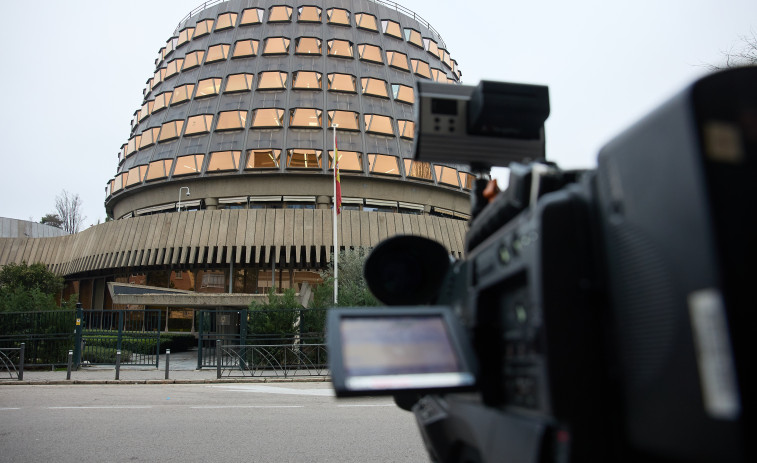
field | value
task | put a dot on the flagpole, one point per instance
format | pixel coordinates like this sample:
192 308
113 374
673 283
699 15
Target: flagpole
334 213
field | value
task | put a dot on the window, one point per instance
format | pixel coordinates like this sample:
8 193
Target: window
366 21
170 130
170 45
161 101
374 87
149 137
349 161
342 83
135 175
203 27
306 80
263 159
208 87
158 169
307 46
231 120
403 93
414 37
158 77
173 66
251 16
383 164
272 80
192 60
244 48
391 28
406 128
280 13
309 14
276 46
303 159
418 169
132 144
266 118
185 36
338 16
431 47
466 180
346 120
340 48
370 53
305 118
199 124
421 68
446 175
218 53
146 109
188 165
444 56
438 75
238 83
226 21
224 161
397 60
182 94
378 124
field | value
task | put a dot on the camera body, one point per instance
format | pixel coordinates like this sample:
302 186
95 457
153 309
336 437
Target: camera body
607 309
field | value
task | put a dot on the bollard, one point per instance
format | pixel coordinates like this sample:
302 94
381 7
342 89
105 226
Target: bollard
168 360
118 364
21 361
218 359
70 361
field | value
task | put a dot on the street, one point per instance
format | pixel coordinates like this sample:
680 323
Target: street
282 422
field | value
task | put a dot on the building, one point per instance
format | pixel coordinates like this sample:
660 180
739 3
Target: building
225 183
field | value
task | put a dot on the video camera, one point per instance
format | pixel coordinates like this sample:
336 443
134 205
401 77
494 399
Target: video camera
598 315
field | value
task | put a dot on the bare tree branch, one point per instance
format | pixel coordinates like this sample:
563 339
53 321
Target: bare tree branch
744 55
68 207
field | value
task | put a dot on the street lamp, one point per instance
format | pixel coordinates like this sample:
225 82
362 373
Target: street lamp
178 205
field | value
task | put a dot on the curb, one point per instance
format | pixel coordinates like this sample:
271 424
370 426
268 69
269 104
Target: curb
315 379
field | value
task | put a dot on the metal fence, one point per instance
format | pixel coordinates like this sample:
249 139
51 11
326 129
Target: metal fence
48 335
12 362
284 360
136 333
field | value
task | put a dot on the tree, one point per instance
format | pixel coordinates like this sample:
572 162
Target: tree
25 288
353 289
53 220
68 207
743 55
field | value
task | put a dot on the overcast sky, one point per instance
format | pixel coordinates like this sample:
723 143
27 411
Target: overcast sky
74 71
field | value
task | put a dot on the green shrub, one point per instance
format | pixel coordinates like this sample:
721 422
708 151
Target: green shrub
104 355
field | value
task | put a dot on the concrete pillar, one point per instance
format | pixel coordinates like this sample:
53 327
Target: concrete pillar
323 202
211 204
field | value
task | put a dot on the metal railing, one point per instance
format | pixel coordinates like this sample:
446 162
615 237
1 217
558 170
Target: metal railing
12 362
282 360
394 5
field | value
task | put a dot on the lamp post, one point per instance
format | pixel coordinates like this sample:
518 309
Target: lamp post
178 205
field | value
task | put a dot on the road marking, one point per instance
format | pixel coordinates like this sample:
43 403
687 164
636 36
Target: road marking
277 390
248 406
10 408
107 407
366 405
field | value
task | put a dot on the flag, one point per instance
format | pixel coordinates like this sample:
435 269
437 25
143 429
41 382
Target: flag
337 182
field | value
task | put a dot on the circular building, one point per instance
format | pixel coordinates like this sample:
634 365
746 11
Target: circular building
243 102
226 181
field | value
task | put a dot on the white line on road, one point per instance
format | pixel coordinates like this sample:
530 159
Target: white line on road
366 405
110 407
277 390
248 406
10 408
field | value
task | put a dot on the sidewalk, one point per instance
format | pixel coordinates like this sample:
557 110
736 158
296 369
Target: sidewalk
182 370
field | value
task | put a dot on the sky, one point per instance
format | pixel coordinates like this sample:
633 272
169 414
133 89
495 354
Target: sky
75 70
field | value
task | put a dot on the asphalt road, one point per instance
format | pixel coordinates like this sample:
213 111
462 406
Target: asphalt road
288 422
